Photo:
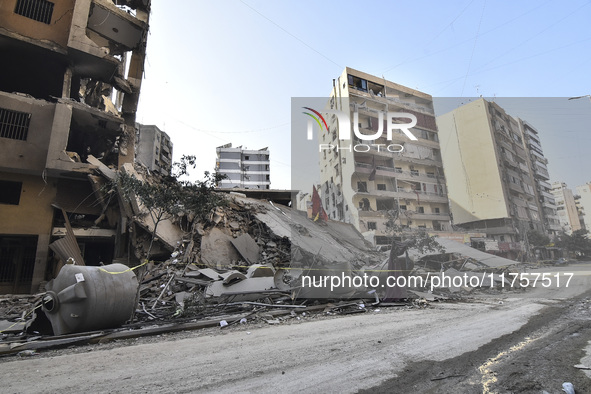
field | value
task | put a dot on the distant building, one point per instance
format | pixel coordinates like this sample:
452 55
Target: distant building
566 207
496 174
244 169
584 191
153 149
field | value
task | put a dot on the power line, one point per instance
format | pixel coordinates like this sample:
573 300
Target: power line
473 48
292 35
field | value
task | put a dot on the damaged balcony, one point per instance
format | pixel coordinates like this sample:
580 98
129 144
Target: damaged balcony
81 134
100 33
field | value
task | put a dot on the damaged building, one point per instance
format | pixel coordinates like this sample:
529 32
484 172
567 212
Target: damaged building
498 177
362 186
68 97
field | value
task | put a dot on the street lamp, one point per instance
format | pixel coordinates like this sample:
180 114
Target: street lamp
580 97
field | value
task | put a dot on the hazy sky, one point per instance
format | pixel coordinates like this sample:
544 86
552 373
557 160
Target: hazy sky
225 71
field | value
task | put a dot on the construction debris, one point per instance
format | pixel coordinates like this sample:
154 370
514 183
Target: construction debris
246 261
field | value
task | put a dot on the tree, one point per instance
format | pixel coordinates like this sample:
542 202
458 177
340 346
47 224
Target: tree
164 197
577 243
538 239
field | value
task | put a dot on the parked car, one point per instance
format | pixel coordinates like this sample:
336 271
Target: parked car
561 261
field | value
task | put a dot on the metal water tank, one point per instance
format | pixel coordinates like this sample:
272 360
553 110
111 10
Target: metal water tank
84 298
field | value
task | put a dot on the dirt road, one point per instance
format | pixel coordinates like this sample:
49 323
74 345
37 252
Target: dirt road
507 343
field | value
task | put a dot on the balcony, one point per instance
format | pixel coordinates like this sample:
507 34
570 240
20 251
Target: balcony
427 216
516 187
365 168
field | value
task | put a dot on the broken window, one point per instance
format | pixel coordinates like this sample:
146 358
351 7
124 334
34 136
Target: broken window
10 192
17 261
372 226
385 205
14 124
357 83
364 204
38 10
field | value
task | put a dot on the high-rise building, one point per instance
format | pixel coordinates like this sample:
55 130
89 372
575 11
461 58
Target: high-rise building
153 149
368 182
69 89
244 168
496 174
566 207
537 163
584 191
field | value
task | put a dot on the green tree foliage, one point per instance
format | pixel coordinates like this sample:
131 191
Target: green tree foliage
536 238
577 243
164 197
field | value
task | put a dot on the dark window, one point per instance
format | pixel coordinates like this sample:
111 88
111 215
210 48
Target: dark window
246 157
372 226
436 210
362 187
14 124
420 209
10 192
381 186
17 261
39 10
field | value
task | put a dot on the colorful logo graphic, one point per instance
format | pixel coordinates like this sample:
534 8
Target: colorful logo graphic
316 119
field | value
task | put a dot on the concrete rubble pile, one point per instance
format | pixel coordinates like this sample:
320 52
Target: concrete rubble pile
247 253
247 257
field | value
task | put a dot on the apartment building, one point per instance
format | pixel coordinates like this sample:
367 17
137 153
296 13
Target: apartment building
153 149
69 89
537 163
244 168
496 174
377 183
566 207
584 193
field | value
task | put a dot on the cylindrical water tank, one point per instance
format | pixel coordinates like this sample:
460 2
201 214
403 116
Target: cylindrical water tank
85 298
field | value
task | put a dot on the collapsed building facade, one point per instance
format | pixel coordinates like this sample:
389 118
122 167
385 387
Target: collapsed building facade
68 97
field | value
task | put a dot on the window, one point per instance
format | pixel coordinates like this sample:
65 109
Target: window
246 157
372 226
403 207
436 210
414 172
381 186
357 83
398 169
10 192
421 209
14 124
362 187
39 10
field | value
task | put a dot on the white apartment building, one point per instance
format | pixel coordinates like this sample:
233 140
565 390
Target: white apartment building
244 168
364 183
